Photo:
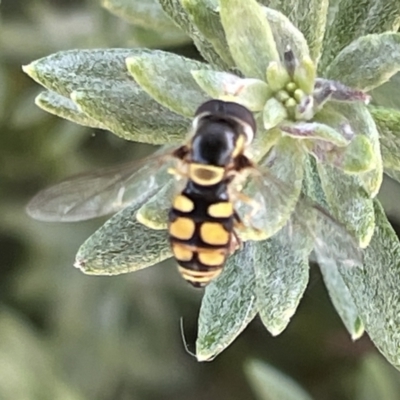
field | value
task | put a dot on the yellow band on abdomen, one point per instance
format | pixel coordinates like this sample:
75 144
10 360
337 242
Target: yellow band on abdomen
206 175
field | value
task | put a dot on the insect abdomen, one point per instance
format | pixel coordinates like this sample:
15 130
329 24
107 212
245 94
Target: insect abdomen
201 229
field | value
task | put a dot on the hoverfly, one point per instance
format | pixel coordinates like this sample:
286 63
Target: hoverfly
203 221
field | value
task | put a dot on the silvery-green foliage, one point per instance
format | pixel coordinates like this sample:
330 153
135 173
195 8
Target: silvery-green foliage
305 72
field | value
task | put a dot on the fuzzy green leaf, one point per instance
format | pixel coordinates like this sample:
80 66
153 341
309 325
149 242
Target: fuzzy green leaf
387 95
264 141
132 115
310 18
355 18
358 157
146 13
362 123
314 131
349 202
108 93
312 183
388 124
368 62
66 71
180 16
286 34
283 165
282 276
63 107
122 245
274 113
329 116
375 288
270 384
205 17
249 36
383 16
342 300
304 75
167 78
251 93
154 213
277 76
229 303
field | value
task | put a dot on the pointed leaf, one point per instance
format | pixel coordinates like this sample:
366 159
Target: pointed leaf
387 95
362 123
358 157
132 114
315 131
154 213
348 202
283 164
274 113
368 62
264 141
167 78
286 34
383 15
251 93
329 116
327 89
175 10
312 183
122 245
146 13
249 36
375 288
277 79
205 17
270 384
310 18
64 107
304 75
282 276
342 300
354 19
388 124
228 304
66 71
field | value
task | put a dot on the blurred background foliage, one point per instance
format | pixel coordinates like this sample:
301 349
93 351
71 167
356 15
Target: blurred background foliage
64 335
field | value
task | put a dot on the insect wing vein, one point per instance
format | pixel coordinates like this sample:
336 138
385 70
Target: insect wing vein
332 244
102 192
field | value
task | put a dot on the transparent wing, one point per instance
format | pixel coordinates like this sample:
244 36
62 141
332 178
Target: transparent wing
104 191
272 205
333 245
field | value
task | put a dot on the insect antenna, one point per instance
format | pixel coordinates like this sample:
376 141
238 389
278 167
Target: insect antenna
184 341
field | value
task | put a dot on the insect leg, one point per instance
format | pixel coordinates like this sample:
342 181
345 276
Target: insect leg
254 205
181 154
